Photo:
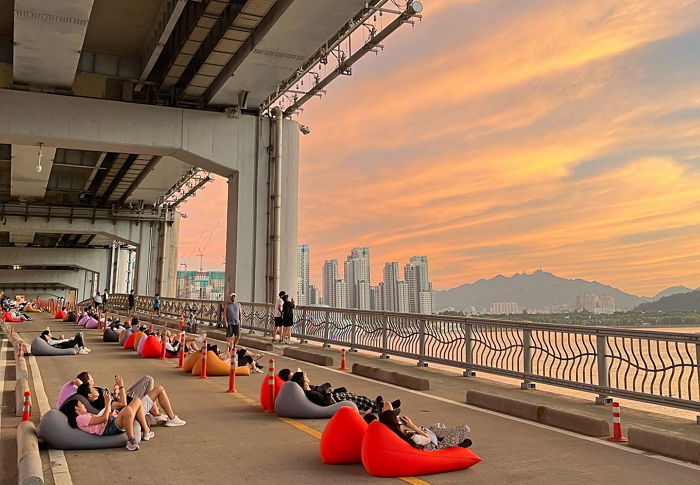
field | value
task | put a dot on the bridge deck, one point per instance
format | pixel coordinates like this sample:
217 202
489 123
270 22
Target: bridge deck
229 437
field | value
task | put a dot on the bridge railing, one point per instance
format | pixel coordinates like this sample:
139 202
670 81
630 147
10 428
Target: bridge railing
655 367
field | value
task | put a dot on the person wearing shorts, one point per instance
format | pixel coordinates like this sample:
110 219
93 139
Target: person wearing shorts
232 319
132 304
277 314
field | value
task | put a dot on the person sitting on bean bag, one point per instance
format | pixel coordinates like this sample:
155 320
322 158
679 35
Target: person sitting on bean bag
325 395
65 343
106 423
435 437
285 374
245 358
158 395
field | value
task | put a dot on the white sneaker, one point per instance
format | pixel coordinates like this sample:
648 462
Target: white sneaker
175 422
132 445
258 371
148 436
88 350
83 352
162 418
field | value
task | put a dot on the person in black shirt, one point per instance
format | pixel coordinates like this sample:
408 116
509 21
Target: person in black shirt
132 304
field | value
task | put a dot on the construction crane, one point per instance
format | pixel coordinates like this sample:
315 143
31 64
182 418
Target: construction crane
201 250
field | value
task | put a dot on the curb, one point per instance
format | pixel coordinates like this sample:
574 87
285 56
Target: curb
319 359
29 468
403 380
666 444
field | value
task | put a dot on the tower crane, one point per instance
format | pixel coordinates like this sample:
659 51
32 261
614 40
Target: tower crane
206 244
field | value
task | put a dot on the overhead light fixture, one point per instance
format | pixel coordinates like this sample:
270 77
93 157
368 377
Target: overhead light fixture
304 129
16 267
40 154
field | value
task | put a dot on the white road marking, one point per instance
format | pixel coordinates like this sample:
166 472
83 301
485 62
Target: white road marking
59 465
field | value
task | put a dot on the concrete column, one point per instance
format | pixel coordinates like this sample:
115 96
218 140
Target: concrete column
232 233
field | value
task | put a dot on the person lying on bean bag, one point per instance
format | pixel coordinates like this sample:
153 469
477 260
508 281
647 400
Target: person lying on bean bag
435 437
325 395
65 343
158 394
104 424
138 389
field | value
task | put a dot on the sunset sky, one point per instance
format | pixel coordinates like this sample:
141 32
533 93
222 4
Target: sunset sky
502 136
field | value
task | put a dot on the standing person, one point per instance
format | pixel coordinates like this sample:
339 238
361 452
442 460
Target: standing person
277 314
156 304
287 318
97 300
232 318
132 304
105 297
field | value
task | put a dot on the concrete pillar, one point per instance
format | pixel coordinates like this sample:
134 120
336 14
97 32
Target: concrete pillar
232 234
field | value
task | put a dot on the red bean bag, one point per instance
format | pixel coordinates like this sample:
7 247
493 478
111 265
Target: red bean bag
129 342
384 454
151 348
265 392
8 318
341 441
60 315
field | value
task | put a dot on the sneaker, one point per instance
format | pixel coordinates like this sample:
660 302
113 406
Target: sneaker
132 445
83 352
89 350
151 420
258 371
466 443
162 418
175 422
147 436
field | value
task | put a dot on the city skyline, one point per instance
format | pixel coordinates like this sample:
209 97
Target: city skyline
578 154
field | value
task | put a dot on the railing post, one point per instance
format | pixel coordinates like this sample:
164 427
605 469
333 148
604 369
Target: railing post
468 350
421 343
326 329
385 338
697 374
302 337
601 356
353 333
252 318
527 360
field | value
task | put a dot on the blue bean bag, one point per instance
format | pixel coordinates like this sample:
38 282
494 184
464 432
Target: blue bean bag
41 347
291 402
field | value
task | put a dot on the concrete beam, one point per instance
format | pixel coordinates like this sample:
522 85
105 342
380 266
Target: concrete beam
25 181
48 39
203 139
21 236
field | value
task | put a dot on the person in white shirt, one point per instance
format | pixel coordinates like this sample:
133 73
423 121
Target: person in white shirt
277 314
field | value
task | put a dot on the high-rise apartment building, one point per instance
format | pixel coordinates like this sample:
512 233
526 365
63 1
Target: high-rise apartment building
303 274
416 275
364 300
313 298
402 299
341 292
391 287
377 298
201 285
357 269
504 308
330 278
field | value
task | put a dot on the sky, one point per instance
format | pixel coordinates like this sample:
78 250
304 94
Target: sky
497 137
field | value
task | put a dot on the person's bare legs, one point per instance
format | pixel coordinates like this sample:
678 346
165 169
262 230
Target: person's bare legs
125 420
159 395
137 406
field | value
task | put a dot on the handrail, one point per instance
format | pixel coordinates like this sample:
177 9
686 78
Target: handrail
655 367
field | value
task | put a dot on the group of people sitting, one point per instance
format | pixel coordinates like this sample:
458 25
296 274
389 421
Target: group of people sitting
119 408
434 437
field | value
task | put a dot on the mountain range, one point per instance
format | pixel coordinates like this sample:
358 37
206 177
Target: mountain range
538 290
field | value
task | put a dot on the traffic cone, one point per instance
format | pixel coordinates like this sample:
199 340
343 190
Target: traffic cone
150 329
27 406
203 371
343 361
20 350
181 359
232 372
617 426
271 386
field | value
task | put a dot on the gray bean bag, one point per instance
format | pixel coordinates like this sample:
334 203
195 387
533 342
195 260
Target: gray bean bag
123 338
110 335
42 347
291 402
57 433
